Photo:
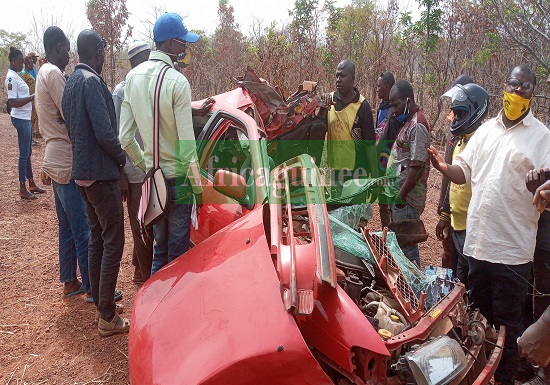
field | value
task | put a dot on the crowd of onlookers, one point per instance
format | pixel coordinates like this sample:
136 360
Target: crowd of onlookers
496 240
101 144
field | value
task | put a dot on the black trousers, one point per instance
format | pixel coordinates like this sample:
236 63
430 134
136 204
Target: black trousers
106 217
499 292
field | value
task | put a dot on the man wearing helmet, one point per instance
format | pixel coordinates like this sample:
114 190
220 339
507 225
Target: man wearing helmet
501 221
469 107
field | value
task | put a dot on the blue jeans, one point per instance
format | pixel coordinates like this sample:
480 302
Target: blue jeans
24 139
74 233
106 217
400 214
173 230
499 292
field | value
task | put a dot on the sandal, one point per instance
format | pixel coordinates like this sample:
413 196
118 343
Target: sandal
37 190
119 308
72 288
28 196
116 326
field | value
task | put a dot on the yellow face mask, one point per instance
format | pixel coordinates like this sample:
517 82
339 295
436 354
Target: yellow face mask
514 105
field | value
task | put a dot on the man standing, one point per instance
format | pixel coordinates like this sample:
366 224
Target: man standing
469 107
387 128
74 232
33 56
501 222
98 161
30 68
351 139
409 161
449 258
178 154
27 76
142 254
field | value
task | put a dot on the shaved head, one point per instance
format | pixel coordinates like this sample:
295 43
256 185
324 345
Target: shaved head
86 44
348 66
526 70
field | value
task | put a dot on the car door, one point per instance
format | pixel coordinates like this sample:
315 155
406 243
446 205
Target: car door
223 144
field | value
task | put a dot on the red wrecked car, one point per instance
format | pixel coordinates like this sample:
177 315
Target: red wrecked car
281 287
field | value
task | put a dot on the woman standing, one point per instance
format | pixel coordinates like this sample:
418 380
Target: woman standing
20 99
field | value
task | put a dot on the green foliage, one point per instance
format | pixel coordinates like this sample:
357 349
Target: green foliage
429 24
108 18
15 39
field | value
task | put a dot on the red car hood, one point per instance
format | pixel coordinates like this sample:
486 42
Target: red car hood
215 315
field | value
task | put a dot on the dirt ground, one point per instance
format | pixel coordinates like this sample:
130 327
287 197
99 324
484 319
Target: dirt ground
44 338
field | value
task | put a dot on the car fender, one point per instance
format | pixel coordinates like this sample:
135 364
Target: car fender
216 313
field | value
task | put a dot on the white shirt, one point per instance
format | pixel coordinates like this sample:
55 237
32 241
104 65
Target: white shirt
17 88
501 225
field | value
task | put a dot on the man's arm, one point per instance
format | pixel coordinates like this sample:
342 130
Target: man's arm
534 344
187 148
106 137
56 85
451 171
410 181
369 138
542 197
127 133
419 140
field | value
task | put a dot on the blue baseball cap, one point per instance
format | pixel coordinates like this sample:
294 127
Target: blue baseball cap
170 26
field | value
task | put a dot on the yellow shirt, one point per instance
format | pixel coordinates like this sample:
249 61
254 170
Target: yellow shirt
341 146
460 194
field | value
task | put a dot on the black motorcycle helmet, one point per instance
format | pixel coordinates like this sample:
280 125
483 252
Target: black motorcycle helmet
470 105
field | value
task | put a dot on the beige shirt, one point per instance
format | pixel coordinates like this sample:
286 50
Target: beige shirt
58 157
501 225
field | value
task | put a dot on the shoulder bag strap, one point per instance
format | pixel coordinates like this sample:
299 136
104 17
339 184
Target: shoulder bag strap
156 143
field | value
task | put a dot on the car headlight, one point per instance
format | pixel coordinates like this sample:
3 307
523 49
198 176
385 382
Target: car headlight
437 362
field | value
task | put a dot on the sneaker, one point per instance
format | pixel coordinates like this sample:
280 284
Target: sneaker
116 326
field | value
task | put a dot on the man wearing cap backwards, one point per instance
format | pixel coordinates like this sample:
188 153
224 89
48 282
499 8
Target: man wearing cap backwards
142 255
501 221
177 140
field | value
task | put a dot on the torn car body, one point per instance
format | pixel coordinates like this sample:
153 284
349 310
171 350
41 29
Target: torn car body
265 296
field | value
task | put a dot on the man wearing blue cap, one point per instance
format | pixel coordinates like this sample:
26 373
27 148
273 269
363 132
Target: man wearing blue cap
177 154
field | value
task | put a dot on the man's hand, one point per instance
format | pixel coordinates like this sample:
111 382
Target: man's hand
534 344
534 179
437 160
204 108
123 183
442 229
327 100
59 118
542 196
46 180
